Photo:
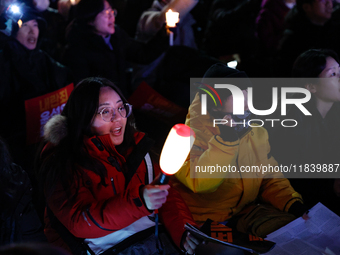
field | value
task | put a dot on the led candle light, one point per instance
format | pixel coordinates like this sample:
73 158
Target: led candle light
171 19
175 150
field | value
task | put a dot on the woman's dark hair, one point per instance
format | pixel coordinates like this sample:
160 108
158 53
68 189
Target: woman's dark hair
312 62
87 10
79 111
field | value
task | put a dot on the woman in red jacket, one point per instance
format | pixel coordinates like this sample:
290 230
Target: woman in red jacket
96 173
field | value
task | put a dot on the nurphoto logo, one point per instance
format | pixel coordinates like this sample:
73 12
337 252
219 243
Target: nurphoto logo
238 103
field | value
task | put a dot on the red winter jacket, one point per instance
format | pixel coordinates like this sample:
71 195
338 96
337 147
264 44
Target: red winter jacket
112 207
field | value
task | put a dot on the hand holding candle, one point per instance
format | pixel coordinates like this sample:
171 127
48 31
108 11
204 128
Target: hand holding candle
171 19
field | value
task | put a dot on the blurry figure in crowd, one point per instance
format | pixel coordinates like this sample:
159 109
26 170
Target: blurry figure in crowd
153 20
231 30
309 25
97 175
316 138
26 72
270 24
98 47
19 221
53 38
245 200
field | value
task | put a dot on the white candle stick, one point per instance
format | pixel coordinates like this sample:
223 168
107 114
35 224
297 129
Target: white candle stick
171 38
171 19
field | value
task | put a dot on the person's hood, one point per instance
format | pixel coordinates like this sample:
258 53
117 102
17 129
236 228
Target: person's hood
55 129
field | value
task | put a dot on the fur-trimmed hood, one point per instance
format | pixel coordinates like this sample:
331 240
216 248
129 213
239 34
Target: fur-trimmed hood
56 129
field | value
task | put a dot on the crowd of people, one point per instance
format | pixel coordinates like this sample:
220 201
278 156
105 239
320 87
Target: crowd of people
78 164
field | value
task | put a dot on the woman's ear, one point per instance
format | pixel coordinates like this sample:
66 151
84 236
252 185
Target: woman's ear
311 87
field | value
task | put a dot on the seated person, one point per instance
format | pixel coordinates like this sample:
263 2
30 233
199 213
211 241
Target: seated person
97 175
233 195
316 138
96 46
26 72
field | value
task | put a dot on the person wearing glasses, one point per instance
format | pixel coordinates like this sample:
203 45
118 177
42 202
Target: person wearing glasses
97 176
98 47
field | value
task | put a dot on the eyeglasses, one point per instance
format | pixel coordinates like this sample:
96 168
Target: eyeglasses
109 11
109 113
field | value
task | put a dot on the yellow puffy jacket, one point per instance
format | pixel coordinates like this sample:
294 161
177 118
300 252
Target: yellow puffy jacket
219 196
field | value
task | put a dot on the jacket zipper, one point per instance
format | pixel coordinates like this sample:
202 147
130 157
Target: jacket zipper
96 223
113 186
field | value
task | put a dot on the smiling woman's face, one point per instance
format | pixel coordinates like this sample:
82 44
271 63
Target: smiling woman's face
116 127
328 89
104 23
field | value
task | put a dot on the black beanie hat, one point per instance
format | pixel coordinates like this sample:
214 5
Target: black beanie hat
220 70
28 14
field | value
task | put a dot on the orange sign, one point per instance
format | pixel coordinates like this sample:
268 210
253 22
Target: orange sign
221 232
40 109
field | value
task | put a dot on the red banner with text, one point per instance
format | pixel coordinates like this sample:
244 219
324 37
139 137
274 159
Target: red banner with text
40 109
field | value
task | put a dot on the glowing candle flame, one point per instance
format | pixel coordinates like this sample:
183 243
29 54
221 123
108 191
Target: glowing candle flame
171 18
19 23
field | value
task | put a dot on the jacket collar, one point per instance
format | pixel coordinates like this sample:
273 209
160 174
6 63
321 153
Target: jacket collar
101 143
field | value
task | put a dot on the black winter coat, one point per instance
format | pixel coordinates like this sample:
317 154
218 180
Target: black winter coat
19 221
25 74
88 55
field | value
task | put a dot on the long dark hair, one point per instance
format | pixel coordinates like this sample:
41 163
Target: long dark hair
59 163
312 62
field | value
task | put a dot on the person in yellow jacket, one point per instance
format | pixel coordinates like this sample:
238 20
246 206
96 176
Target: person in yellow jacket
249 198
